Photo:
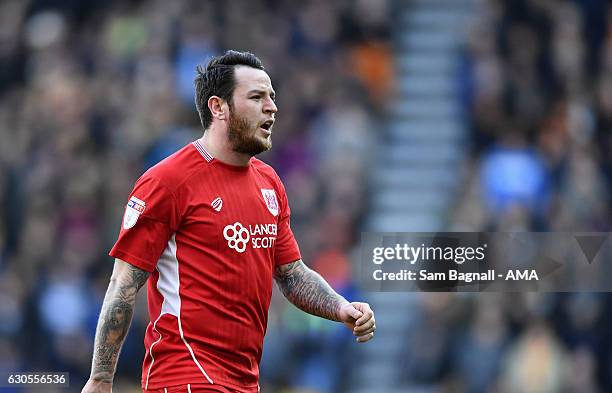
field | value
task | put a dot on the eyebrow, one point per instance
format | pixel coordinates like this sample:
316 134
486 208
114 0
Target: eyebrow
260 91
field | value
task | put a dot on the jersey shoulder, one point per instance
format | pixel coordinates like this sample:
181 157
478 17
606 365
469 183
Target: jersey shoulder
175 169
266 170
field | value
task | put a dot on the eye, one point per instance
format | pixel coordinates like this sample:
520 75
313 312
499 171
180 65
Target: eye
257 97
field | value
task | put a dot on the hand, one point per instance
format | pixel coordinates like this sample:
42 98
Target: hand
93 386
359 317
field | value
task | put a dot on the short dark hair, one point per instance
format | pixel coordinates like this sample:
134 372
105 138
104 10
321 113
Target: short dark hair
218 79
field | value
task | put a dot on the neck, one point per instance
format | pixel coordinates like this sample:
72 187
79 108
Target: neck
216 143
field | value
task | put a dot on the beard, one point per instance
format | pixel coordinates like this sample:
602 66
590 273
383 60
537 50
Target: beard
243 139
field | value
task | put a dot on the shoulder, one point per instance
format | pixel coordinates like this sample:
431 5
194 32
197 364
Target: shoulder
269 173
265 170
174 170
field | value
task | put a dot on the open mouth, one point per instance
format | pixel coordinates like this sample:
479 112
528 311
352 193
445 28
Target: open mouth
267 125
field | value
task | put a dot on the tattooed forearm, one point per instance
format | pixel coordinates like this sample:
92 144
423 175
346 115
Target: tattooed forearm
115 319
307 290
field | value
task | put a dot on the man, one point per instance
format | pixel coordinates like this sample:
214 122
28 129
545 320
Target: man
208 227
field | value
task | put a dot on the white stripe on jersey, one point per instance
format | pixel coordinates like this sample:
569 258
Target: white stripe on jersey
198 145
151 350
168 286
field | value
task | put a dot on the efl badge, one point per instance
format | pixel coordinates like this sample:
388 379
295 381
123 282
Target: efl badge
135 207
269 197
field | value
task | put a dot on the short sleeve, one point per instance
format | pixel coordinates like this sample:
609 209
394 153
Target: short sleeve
286 249
151 217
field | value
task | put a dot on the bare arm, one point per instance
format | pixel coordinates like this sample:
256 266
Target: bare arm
113 324
308 291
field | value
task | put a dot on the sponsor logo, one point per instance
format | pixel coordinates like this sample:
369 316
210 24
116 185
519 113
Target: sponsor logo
259 235
237 237
217 204
269 197
135 207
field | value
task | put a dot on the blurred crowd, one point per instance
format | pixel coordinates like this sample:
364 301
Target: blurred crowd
93 93
536 86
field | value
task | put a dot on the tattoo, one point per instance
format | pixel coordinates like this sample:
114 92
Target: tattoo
115 319
307 290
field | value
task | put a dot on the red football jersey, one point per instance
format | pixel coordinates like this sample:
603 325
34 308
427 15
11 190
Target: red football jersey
211 234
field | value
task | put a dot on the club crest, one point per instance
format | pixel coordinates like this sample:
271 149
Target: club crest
269 197
135 207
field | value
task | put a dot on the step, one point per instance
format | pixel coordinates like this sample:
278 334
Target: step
411 5
406 154
426 107
429 40
385 343
419 63
426 17
404 222
425 132
393 298
378 375
374 388
431 177
426 85
401 200
420 182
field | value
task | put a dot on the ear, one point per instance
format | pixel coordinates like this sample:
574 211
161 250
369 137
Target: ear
217 107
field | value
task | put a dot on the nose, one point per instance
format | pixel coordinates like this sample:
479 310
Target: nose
270 106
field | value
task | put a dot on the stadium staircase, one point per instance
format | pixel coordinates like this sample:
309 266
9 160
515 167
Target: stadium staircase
417 175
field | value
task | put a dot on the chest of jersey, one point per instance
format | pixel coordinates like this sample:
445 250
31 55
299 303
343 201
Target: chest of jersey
236 214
